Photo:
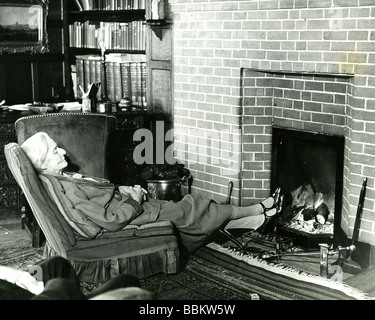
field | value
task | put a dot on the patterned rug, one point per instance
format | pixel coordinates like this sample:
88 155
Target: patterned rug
15 248
213 272
199 280
270 281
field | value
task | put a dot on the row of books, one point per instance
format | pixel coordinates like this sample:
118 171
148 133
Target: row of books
110 35
110 4
125 76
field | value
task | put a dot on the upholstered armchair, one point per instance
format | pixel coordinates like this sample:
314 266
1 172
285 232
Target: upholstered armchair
138 250
83 135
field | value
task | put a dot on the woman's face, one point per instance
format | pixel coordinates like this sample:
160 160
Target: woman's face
55 160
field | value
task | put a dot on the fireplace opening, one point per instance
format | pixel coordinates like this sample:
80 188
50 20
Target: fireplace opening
308 166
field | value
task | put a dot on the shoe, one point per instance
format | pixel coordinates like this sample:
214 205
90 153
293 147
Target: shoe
271 207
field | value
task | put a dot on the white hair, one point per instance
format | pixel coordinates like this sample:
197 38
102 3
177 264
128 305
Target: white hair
36 148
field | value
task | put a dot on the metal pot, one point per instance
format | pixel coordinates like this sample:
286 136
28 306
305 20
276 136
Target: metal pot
165 189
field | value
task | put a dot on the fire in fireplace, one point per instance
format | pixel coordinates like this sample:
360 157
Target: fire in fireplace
308 166
310 210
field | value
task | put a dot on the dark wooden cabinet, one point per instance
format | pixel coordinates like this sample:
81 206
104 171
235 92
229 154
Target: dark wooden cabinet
159 63
13 205
27 77
122 169
10 194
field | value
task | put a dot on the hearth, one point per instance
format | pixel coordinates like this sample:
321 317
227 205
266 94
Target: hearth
308 166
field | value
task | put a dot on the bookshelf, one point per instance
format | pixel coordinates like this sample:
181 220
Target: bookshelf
147 56
105 41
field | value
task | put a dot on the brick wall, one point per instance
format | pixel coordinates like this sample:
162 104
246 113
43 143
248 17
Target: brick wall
218 45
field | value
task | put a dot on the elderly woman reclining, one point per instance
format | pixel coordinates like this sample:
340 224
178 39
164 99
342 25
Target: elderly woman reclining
112 208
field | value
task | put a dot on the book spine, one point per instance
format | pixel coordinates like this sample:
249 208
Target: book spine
92 71
100 35
86 72
86 4
117 36
78 4
74 80
77 31
125 79
135 34
110 37
98 76
141 35
85 34
131 35
143 84
110 81
117 81
91 40
133 83
121 36
139 84
80 77
126 35
71 35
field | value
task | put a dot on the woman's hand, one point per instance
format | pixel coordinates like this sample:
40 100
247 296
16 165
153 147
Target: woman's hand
136 192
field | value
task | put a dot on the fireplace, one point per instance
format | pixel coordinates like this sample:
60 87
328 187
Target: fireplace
308 166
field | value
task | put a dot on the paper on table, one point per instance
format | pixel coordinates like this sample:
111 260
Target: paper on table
71 106
19 107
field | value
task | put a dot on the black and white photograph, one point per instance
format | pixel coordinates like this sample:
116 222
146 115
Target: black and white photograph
22 25
188 157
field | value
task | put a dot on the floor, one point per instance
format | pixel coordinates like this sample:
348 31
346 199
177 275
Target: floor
13 240
16 250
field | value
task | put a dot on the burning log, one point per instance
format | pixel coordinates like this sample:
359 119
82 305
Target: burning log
322 213
303 196
308 214
307 211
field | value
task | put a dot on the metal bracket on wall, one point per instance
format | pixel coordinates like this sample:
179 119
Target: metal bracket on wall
157 26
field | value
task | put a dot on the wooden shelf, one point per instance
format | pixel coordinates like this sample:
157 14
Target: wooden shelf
107 15
78 51
157 26
26 58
